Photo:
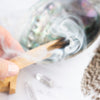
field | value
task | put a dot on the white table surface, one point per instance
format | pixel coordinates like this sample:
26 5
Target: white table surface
66 75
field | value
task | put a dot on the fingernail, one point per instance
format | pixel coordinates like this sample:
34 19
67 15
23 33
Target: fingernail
12 70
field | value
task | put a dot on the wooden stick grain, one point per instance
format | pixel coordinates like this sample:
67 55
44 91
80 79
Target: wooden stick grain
9 84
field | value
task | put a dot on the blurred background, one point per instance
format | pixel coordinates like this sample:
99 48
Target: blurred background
13 13
66 75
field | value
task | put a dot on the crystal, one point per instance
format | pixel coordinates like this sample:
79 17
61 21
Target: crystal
44 79
29 91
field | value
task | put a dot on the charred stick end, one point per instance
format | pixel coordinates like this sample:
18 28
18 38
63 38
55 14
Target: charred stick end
61 43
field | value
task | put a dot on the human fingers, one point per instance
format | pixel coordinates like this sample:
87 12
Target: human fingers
7 69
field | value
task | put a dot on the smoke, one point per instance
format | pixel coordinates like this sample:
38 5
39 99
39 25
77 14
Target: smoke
10 52
71 28
36 56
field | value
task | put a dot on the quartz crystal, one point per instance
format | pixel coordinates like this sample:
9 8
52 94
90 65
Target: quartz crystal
44 79
29 91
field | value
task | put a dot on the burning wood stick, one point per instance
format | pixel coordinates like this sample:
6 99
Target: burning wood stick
33 56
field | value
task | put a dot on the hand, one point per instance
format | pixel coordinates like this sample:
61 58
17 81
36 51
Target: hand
9 48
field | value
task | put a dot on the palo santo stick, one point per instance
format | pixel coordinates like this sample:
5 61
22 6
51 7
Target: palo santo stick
37 54
30 57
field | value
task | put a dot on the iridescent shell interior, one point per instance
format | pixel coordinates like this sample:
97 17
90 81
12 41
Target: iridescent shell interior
49 20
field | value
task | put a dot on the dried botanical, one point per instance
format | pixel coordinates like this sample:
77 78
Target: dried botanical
91 79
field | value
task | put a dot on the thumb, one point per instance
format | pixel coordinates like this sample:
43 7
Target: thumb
7 69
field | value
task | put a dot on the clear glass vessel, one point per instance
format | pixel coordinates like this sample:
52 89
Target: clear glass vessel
77 21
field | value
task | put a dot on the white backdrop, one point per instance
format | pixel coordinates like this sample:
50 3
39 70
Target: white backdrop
67 74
